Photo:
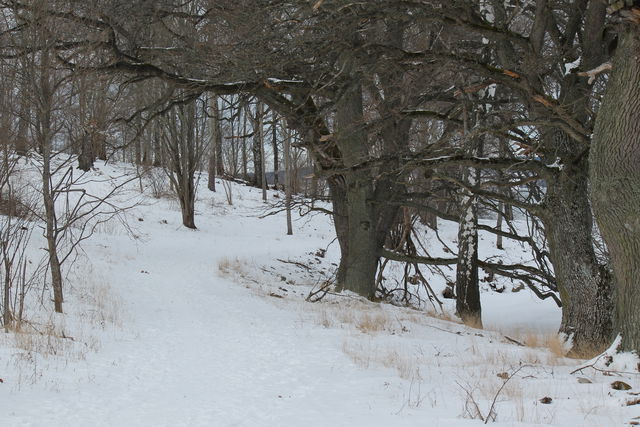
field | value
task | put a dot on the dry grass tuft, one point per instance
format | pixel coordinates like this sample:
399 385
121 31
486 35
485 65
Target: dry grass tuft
358 352
365 353
441 315
553 343
47 340
407 367
372 322
100 307
324 319
230 267
364 317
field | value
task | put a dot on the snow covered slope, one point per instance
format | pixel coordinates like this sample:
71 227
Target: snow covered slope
175 327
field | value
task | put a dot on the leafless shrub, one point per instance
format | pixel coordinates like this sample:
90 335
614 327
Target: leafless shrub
228 191
18 271
72 211
471 405
157 182
11 205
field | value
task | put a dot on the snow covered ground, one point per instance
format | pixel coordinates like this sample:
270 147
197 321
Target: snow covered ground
175 327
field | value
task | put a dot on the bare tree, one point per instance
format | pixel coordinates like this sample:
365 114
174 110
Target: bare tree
350 79
287 179
215 146
185 147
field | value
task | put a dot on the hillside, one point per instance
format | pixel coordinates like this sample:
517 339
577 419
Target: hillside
210 327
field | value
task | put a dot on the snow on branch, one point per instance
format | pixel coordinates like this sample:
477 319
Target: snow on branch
593 74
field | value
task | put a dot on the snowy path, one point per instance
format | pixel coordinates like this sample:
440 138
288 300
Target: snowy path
202 351
198 349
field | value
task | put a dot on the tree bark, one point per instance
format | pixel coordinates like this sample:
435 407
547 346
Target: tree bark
338 194
213 150
22 143
50 214
263 172
45 136
362 258
287 179
219 157
360 262
584 284
467 288
502 208
245 161
256 150
274 142
86 157
184 150
187 203
615 178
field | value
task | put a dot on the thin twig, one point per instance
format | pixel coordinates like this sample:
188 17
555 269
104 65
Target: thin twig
299 264
495 397
514 341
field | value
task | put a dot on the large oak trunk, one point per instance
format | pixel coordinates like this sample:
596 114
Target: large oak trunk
615 175
363 254
584 284
340 216
357 226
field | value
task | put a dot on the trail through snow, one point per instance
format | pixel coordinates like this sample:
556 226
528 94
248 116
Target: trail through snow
196 348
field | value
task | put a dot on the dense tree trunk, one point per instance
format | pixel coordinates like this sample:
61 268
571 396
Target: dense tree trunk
263 167
362 258
257 144
287 179
7 316
44 136
615 177
100 147
256 151
211 170
360 262
215 144
184 149
362 212
338 194
83 145
158 155
565 212
584 284
467 288
501 214
245 160
313 193
86 156
22 143
220 171
187 198
274 142
49 211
